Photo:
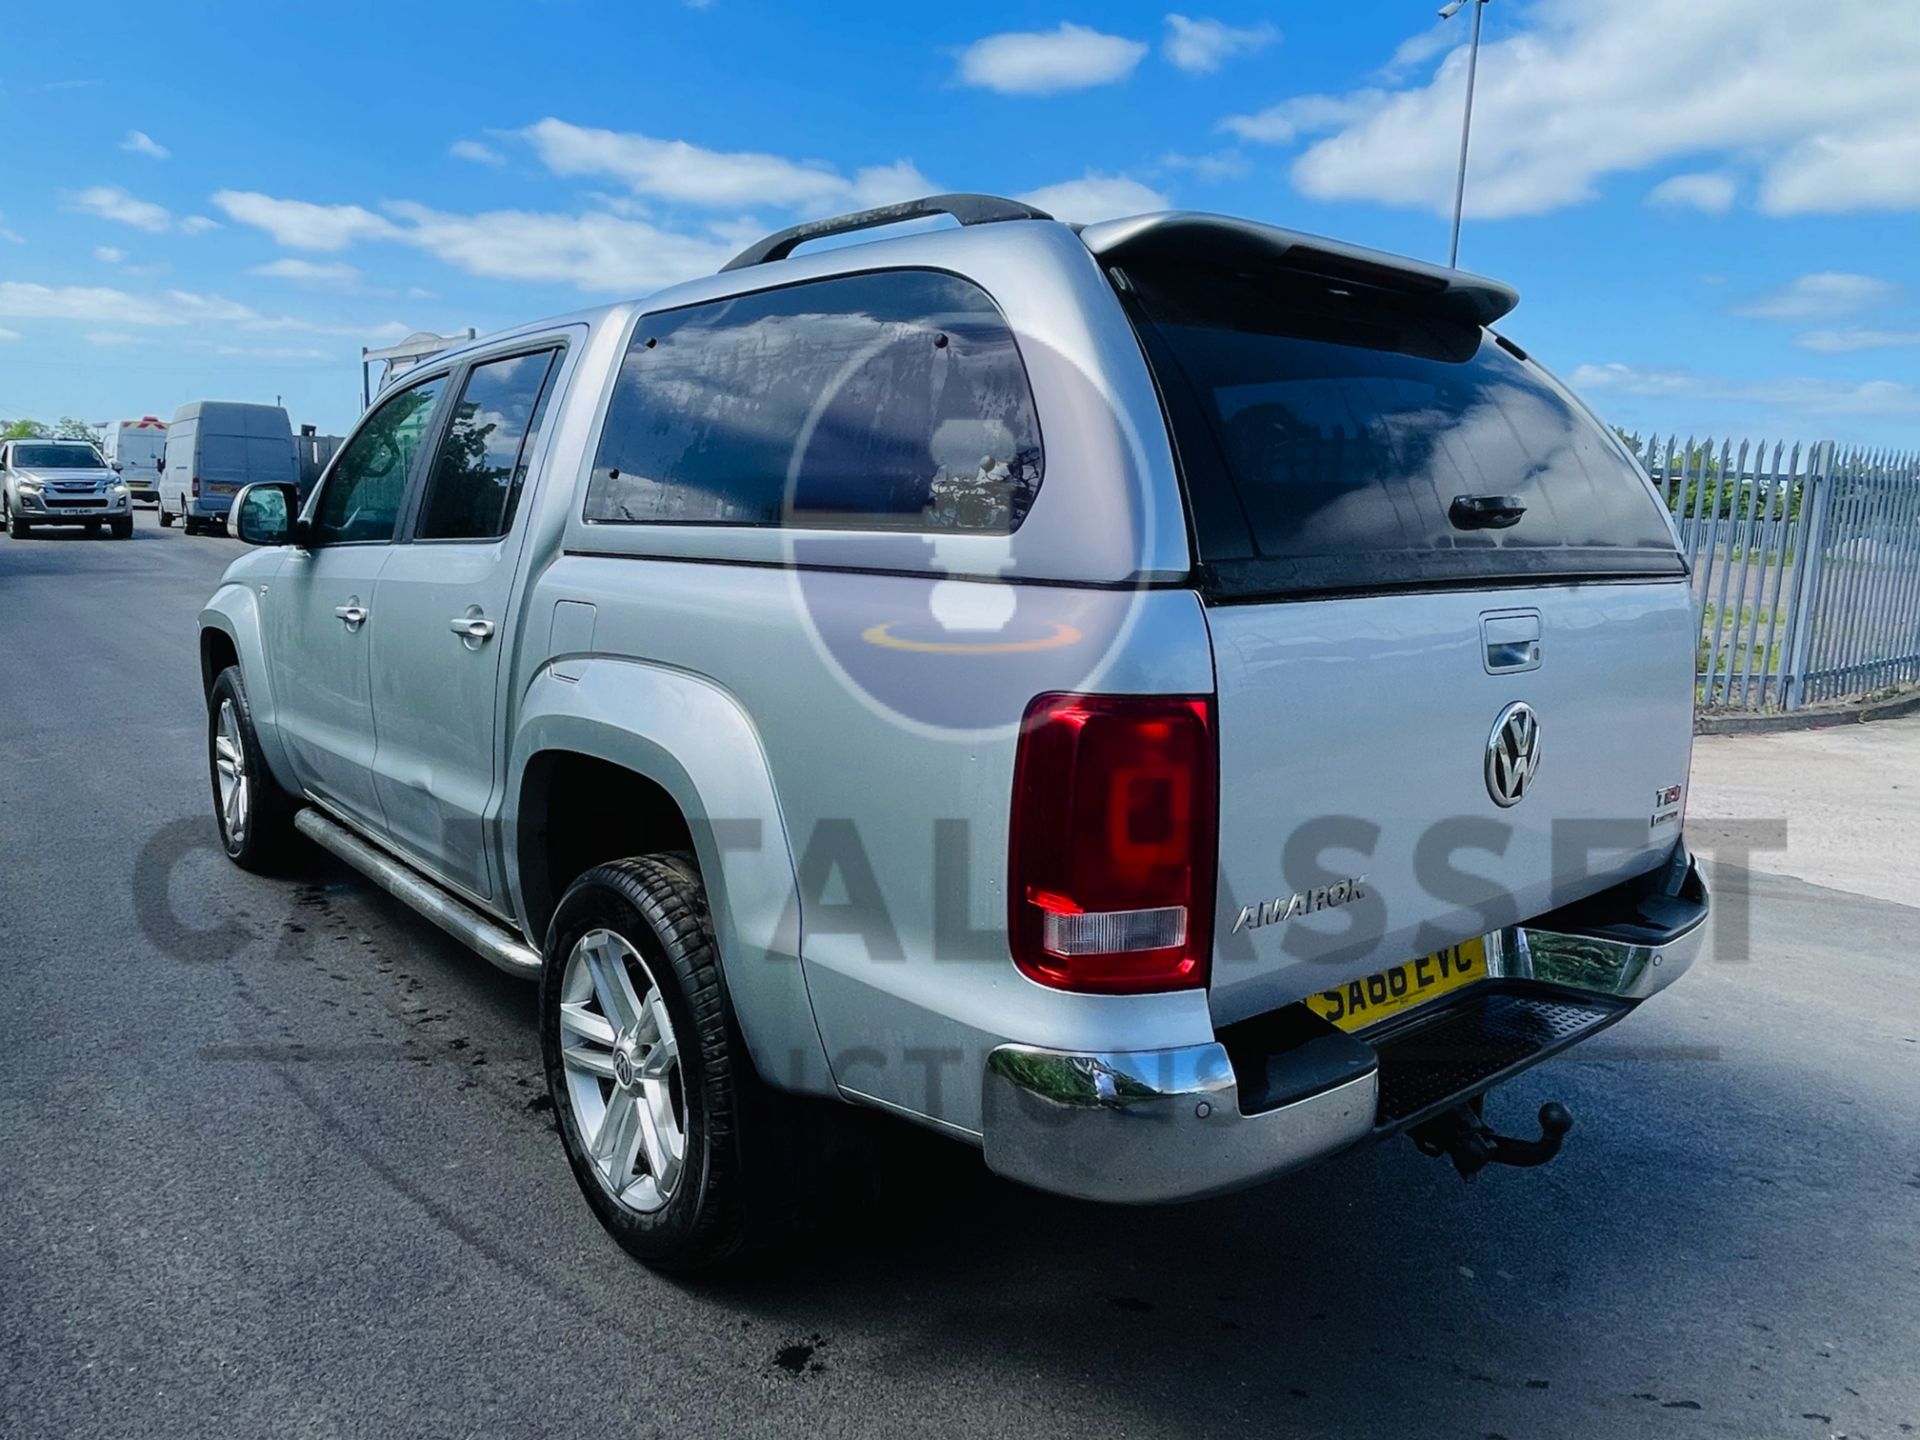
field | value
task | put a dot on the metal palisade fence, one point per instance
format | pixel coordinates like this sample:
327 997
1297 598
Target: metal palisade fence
1806 567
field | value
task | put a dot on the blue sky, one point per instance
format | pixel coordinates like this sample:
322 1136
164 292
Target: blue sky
1710 209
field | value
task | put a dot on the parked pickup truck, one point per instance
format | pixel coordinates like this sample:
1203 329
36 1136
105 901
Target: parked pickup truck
1160 702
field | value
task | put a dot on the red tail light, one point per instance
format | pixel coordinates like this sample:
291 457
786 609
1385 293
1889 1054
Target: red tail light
1115 810
196 487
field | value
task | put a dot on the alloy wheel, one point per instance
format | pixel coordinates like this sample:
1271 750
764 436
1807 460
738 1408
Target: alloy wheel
622 1065
230 764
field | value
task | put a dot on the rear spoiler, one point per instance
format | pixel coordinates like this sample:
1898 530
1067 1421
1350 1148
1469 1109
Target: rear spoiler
1185 236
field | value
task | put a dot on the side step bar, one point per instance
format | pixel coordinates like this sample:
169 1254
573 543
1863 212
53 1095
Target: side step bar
492 940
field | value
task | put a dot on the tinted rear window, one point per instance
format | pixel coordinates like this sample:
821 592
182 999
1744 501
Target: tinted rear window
1325 435
892 401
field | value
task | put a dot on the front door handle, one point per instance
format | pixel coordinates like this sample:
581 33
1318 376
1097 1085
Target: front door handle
476 630
353 613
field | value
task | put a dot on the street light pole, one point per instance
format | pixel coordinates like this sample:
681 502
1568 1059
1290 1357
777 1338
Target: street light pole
1447 12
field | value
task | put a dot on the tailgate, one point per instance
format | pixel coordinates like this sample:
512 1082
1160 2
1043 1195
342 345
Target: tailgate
1407 534
1358 819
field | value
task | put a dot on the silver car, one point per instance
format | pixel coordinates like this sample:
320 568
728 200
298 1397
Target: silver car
1158 702
60 482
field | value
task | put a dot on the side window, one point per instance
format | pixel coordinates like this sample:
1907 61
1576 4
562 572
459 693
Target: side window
890 401
482 465
361 499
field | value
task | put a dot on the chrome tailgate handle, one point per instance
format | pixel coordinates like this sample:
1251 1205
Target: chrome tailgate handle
1510 641
353 613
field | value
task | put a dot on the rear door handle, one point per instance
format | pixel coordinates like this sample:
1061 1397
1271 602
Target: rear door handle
353 613
474 629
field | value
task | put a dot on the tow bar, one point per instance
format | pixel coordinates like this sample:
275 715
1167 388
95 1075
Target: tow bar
1466 1139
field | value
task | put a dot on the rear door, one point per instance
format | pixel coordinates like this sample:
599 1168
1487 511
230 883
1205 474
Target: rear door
445 602
320 612
1452 637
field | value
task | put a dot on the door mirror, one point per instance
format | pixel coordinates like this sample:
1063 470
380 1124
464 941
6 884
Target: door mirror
116 467
264 515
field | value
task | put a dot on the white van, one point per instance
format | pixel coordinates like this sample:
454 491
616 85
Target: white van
135 449
215 448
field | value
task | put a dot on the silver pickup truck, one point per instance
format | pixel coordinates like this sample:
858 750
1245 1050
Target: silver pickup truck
1160 702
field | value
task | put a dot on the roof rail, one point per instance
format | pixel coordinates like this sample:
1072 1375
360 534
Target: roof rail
967 209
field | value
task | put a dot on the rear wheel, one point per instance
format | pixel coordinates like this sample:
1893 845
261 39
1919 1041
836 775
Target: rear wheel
166 515
255 814
649 1075
191 524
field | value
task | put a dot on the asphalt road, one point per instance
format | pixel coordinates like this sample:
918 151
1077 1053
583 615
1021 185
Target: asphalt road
274 1159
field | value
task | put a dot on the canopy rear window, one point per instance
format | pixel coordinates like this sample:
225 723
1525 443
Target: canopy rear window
1326 431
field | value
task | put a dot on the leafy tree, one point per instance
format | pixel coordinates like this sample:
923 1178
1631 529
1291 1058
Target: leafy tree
23 430
68 428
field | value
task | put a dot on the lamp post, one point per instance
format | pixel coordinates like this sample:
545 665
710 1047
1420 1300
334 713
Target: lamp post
1447 12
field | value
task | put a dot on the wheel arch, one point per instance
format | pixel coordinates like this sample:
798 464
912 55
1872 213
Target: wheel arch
673 761
230 634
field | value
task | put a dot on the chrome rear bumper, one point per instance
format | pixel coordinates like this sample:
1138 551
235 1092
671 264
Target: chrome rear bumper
1146 1126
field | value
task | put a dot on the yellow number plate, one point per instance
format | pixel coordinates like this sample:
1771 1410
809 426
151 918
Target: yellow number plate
1401 987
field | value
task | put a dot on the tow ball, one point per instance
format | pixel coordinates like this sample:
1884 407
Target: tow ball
1464 1137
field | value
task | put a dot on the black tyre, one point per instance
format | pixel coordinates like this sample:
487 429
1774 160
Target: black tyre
650 1079
255 815
166 515
95 529
123 529
190 524
17 525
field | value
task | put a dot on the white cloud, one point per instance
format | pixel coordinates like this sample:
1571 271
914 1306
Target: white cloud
593 252
273 352
886 184
310 272
1820 98
1417 49
109 254
1821 296
108 306
1873 169
110 202
1071 57
1096 197
9 334
477 152
23 300
300 224
1854 339
11 236
1812 397
596 251
138 142
114 339
1305 115
676 170
1227 165
1199 46
1711 191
